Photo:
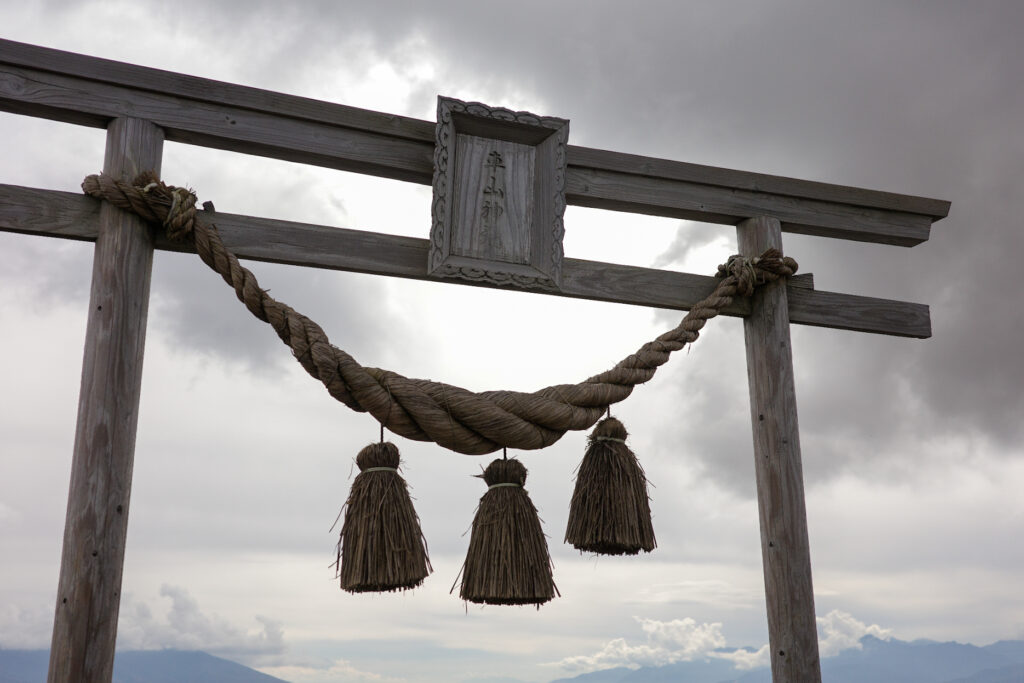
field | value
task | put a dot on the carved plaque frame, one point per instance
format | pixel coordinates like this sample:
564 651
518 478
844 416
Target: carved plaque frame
499 195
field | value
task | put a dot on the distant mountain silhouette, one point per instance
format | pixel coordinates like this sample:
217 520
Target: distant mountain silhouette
1009 674
699 671
891 661
885 661
147 666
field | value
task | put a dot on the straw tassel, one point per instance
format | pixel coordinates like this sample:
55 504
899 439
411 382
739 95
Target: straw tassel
610 513
381 546
508 561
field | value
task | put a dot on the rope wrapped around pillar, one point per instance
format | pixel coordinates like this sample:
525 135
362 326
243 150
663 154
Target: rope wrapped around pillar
424 410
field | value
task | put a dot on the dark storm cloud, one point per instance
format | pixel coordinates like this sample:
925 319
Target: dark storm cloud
895 97
200 314
689 238
926 102
882 96
189 302
188 627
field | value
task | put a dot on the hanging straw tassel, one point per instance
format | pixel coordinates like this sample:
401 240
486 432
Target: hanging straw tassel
610 512
381 546
507 562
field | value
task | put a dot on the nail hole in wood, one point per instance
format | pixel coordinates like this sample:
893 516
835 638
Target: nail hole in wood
781 653
120 509
760 418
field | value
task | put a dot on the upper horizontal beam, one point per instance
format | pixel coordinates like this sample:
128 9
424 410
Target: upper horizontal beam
73 216
85 90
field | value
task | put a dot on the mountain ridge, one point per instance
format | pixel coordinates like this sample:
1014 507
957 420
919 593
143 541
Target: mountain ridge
892 661
140 666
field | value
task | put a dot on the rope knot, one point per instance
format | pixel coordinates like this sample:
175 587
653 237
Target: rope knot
752 272
177 205
172 207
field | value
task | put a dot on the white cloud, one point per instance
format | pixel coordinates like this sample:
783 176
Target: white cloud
668 642
684 640
715 592
340 671
683 636
25 627
7 512
187 627
747 659
840 631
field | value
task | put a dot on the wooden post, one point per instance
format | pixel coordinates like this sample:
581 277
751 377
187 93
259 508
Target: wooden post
89 592
785 551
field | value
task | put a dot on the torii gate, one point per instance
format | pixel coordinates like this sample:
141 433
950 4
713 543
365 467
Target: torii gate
141 107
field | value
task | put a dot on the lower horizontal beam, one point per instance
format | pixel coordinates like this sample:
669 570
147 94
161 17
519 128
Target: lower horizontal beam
74 216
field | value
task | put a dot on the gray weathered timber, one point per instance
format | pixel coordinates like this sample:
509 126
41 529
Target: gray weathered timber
89 590
208 123
785 550
483 227
85 90
634 164
191 87
602 189
170 83
498 196
74 216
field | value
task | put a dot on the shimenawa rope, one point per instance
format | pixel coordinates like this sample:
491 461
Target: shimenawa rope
424 410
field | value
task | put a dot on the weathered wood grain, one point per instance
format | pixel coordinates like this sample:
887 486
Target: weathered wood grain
34 211
851 312
84 90
633 164
211 124
785 550
602 189
493 213
73 216
192 87
89 590
498 196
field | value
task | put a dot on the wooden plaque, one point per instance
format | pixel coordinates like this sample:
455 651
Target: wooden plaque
499 195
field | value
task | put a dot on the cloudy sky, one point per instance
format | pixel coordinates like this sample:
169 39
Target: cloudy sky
912 449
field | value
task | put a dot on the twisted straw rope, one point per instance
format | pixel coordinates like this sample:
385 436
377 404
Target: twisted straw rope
468 422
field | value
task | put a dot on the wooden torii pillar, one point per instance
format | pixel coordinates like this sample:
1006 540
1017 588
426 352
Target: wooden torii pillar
141 107
785 548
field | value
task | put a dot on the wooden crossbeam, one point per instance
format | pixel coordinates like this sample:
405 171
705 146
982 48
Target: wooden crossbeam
84 90
75 216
